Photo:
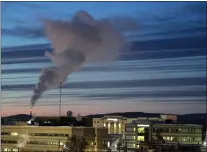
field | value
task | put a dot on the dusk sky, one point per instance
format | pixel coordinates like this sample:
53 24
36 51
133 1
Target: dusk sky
164 72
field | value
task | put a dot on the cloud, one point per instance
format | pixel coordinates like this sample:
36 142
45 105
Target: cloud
25 32
177 67
148 94
119 84
139 50
24 60
179 32
198 8
122 23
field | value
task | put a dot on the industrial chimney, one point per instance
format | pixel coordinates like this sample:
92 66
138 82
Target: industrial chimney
30 112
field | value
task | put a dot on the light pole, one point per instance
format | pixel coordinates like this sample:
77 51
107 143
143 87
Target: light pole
60 101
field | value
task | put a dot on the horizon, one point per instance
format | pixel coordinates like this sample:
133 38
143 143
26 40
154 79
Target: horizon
107 114
164 72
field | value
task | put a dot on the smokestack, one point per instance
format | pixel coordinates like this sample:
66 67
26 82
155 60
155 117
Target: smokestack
30 112
60 103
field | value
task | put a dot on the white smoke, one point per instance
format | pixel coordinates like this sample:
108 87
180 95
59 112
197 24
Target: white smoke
23 139
78 117
75 42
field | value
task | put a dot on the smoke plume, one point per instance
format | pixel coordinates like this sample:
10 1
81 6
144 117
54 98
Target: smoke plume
75 42
23 139
78 117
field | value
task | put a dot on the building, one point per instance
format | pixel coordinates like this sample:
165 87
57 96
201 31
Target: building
12 120
142 133
49 138
115 124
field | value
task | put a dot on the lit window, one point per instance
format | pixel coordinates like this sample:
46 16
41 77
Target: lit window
134 129
61 143
134 145
5 149
134 137
16 150
14 133
119 125
140 130
140 138
104 124
108 144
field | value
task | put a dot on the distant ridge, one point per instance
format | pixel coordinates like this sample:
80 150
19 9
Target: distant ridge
194 118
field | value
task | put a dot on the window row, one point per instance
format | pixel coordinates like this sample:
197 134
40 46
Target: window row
191 130
35 134
34 142
180 139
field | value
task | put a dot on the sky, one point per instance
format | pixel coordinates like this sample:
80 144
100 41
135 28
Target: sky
163 72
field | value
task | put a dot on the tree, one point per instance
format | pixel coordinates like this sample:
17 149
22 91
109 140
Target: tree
75 144
119 146
125 146
82 145
159 136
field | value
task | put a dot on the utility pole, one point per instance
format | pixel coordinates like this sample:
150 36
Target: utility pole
60 101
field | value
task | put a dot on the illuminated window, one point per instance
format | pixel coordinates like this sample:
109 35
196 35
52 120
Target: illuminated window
108 144
140 138
134 137
140 130
104 124
14 133
16 150
5 149
134 145
134 129
61 143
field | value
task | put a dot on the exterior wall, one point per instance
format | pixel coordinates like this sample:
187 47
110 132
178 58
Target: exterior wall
115 124
172 117
130 120
97 123
47 138
131 136
101 138
184 134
